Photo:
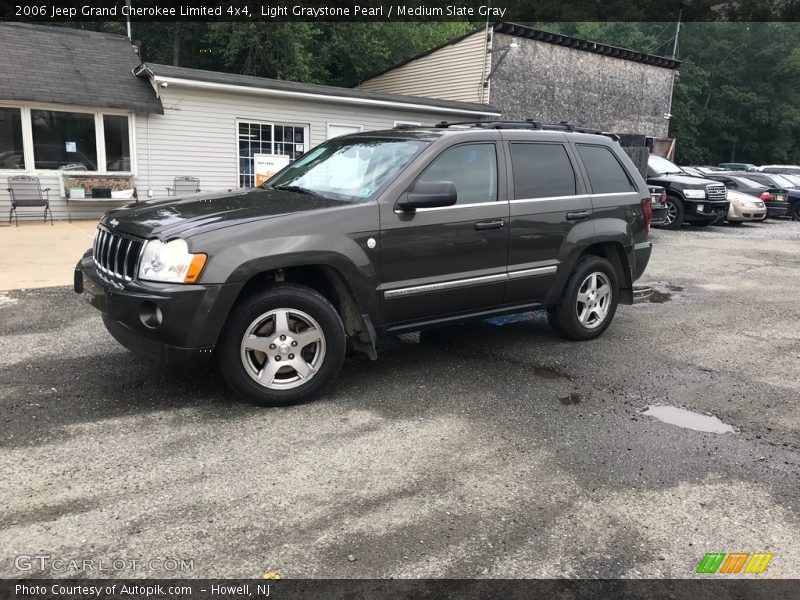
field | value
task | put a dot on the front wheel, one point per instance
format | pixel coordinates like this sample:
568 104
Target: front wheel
589 300
282 345
675 213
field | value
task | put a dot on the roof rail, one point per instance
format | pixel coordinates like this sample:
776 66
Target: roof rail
527 124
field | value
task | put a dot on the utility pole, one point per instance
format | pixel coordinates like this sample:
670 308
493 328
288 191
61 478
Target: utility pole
677 34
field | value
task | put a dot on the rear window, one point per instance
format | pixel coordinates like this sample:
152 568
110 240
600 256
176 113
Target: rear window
606 174
541 171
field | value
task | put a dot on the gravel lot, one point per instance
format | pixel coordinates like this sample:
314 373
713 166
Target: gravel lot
488 450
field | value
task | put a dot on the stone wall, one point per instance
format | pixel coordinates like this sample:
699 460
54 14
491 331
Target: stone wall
555 83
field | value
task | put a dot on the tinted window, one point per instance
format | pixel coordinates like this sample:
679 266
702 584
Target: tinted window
472 167
605 173
541 171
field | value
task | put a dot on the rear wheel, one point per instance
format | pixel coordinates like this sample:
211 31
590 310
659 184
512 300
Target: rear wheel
589 301
675 213
795 211
282 346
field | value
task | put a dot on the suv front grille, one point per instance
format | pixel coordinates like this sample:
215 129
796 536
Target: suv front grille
716 192
116 255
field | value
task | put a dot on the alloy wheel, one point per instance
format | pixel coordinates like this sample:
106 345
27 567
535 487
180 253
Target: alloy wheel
283 349
594 300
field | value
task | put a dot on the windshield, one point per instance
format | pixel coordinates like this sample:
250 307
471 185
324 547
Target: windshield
349 169
745 182
662 165
795 179
781 180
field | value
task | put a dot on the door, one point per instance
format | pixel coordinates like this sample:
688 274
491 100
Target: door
548 201
441 261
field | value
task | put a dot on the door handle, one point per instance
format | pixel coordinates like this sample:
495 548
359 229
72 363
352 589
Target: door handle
495 224
577 215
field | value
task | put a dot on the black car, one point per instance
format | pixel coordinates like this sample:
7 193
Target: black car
374 234
691 199
772 196
785 194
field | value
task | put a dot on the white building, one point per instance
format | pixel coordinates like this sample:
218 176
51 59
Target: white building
78 110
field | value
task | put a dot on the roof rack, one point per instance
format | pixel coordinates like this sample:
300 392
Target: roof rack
527 124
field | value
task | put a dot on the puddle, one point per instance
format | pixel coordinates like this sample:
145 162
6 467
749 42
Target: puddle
675 288
546 373
687 419
571 399
660 297
508 319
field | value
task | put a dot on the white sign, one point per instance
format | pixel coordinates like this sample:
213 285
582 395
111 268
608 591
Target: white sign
266 165
71 146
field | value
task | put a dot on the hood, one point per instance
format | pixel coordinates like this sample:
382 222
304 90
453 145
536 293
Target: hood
166 219
735 196
684 180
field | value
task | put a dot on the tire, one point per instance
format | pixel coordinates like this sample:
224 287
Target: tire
794 211
568 316
675 212
251 348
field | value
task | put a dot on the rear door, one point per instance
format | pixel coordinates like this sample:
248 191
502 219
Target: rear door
441 261
548 200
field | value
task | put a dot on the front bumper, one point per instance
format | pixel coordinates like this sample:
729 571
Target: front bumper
738 214
170 323
705 210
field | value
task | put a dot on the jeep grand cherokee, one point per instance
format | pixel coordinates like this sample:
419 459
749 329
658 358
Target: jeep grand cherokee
374 234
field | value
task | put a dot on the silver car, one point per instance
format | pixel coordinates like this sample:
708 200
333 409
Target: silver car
744 207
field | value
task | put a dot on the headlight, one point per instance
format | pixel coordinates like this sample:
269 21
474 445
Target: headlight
744 204
170 262
698 194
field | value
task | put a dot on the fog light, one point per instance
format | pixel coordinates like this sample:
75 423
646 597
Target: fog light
150 315
700 208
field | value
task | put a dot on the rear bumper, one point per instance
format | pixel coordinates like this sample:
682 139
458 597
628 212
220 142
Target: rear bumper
659 214
777 209
641 256
166 322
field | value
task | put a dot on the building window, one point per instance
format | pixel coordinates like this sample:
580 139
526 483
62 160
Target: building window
267 138
11 154
117 143
64 139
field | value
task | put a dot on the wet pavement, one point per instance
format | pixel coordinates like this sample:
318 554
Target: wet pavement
494 449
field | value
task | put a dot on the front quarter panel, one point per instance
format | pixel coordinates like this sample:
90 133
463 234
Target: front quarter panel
336 237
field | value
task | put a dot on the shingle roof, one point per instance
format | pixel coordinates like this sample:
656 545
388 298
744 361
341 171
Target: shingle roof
71 66
307 88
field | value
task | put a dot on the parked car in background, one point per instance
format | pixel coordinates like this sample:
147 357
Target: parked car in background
793 196
658 201
785 194
780 169
733 166
693 171
773 197
744 207
690 199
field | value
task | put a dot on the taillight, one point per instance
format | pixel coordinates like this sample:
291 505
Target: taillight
663 198
766 197
647 211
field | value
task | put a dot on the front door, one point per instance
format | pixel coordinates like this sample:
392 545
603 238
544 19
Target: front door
440 261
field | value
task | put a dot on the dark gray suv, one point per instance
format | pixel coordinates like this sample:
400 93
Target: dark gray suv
374 234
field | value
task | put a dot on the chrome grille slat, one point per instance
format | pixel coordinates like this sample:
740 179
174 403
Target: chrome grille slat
117 255
716 192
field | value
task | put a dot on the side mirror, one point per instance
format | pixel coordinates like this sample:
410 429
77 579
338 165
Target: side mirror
429 194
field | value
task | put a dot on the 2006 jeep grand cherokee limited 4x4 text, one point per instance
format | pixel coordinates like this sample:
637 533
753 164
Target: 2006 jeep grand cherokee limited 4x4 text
373 234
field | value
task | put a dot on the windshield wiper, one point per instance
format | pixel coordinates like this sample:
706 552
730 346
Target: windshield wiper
298 189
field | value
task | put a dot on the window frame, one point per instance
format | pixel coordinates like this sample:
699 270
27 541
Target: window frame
306 140
99 133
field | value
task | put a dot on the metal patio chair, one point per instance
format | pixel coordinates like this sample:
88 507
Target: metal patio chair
26 191
184 185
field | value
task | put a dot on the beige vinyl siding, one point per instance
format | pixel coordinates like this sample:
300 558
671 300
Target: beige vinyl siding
197 136
453 72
